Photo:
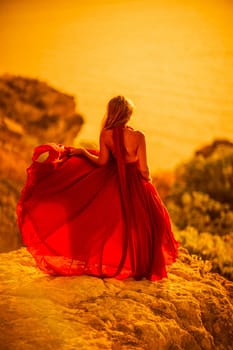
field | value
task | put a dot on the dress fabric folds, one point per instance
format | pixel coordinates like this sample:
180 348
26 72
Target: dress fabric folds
79 218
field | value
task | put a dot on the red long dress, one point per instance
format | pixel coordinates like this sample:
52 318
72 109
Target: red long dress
79 218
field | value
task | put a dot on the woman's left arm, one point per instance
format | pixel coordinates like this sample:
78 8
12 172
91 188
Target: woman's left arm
103 156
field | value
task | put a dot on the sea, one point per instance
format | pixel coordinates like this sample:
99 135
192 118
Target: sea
172 58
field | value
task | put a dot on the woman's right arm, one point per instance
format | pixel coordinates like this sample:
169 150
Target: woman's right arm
142 157
104 153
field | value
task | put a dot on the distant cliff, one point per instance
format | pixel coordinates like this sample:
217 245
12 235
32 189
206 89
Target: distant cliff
29 107
31 112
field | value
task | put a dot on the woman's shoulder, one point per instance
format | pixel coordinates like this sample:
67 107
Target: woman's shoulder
138 133
106 132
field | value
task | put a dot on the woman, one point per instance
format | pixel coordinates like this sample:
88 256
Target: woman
97 213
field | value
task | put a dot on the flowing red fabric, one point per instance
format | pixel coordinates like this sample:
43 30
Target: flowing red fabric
79 218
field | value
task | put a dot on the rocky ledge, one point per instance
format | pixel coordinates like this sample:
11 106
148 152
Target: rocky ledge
191 309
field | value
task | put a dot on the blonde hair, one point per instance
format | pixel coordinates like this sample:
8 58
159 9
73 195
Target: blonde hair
119 111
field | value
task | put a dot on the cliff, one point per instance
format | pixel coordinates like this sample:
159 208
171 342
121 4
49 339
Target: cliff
31 109
190 310
31 112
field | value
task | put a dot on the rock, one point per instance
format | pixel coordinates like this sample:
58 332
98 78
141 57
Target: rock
31 113
191 309
38 109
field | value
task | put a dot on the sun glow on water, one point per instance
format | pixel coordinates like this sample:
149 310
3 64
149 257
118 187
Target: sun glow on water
174 59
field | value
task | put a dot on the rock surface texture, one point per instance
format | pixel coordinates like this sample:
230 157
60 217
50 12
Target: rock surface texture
192 309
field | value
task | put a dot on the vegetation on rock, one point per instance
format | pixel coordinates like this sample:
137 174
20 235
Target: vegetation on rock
201 196
217 249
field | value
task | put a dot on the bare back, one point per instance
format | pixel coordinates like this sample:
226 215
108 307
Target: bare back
135 146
